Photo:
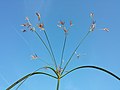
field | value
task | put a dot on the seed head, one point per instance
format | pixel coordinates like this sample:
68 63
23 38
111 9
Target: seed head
34 56
71 24
27 18
38 15
93 25
106 29
92 15
41 26
62 22
24 30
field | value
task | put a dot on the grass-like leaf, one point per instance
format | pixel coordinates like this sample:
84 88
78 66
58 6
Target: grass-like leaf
94 67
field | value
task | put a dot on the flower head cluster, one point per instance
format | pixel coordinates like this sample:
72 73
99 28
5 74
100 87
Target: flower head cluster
34 56
105 29
78 55
38 15
28 25
40 25
61 25
93 24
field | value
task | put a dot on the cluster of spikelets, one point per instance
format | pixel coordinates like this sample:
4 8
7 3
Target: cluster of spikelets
59 70
61 25
29 25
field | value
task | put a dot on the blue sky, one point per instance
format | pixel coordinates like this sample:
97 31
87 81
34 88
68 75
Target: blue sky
100 48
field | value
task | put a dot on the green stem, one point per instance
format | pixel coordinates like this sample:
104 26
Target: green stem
95 67
63 50
51 49
36 71
58 84
53 71
20 84
45 46
25 77
75 51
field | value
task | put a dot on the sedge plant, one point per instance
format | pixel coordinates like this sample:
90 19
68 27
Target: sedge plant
58 69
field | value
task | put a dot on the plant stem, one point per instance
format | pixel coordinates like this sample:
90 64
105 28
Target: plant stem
75 51
63 50
95 67
45 46
51 49
58 84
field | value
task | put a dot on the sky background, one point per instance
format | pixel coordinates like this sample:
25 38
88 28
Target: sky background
100 48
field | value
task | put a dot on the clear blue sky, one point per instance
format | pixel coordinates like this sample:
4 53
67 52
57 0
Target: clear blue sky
100 48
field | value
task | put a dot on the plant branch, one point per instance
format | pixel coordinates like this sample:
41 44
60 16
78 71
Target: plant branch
51 49
75 51
45 46
95 67
63 50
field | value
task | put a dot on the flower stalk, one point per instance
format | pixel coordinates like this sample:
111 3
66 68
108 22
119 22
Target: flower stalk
74 52
50 52
63 50
58 84
51 49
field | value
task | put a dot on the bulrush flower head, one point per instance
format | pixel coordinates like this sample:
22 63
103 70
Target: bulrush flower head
29 24
62 22
71 24
27 18
34 56
25 24
38 15
93 25
92 15
24 30
41 26
32 29
106 29
59 26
